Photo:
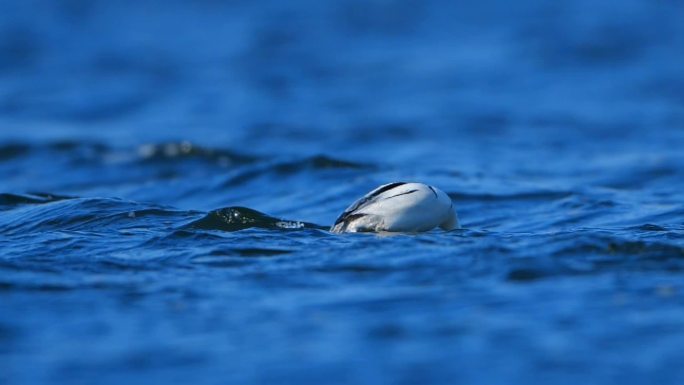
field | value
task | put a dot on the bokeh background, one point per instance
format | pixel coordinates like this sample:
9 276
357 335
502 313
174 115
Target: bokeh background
340 77
556 126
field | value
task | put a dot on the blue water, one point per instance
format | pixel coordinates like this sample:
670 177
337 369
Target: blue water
129 130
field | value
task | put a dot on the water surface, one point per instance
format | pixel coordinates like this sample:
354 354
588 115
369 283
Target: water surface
168 170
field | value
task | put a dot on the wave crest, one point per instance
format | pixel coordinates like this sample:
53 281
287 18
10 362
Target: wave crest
240 218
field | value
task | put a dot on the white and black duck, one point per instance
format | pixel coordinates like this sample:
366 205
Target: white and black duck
399 207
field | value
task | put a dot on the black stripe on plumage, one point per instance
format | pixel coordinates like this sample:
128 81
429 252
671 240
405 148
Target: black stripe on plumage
347 214
386 188
404 193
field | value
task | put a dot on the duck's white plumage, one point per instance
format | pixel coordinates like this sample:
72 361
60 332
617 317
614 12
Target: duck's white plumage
399 207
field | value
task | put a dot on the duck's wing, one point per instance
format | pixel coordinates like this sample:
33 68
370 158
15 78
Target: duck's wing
352 212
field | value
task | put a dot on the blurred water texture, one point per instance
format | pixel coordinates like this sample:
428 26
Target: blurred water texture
556 127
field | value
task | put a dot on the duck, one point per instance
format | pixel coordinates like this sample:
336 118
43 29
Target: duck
399 207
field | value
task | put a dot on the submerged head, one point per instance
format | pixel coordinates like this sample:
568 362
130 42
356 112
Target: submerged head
451 223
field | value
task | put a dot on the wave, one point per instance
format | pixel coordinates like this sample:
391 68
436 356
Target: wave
10 200
154 152
596 251
174 152
13 150
240 218
317 163
32 214
520 196
178 151
71 150
613 246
